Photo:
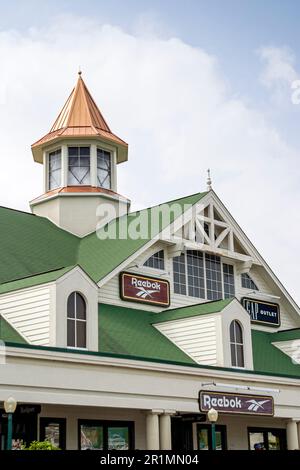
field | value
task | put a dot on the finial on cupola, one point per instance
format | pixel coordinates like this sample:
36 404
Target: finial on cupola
209 181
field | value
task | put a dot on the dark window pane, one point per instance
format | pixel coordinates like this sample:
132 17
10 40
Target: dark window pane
73 151
247 282
179 275
238 333
156 261
232 332
213 277
84 151
71 305
80 307
81 334
71 333
240 355
233 355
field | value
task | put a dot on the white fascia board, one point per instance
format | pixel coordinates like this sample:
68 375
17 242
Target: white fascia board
185 370
79 270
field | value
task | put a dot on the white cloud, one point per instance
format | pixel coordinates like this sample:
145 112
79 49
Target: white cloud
278 72
170 101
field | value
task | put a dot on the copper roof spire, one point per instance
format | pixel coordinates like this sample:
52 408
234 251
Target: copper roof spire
80 117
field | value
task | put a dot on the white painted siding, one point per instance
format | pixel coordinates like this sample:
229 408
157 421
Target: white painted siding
28 311
196 336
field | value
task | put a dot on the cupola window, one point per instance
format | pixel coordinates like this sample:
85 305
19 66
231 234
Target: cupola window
54 169
76 321
79 166
103 169
236 344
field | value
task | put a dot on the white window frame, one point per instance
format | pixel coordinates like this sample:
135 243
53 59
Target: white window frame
46 167
78 320
223 261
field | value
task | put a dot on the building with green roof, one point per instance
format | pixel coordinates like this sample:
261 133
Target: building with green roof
121 329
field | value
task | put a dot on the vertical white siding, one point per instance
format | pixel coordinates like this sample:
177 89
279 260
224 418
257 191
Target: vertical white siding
28 311
196 336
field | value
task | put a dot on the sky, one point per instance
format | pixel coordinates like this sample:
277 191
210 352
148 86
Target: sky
189 85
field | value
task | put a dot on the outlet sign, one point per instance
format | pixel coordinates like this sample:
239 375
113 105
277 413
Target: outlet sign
262 312
236 403
144 289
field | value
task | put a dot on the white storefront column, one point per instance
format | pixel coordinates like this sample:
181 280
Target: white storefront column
292 435
165 430
152 429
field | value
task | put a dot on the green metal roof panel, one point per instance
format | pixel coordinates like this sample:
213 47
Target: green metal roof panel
268 358
287 335
99 257
33 280
32 245
129 331
191 311
8 333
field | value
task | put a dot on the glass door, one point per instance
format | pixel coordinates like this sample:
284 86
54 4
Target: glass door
204 437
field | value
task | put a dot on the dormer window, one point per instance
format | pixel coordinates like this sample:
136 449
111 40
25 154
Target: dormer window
54 169
79 166
236 344
103 169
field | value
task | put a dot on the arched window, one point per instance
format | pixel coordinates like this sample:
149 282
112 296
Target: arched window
236 344
76 321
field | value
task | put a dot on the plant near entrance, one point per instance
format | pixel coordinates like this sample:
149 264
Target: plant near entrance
40 445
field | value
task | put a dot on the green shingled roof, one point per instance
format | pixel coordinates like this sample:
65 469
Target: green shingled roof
129 331
32 246
34 280
193 310
267 358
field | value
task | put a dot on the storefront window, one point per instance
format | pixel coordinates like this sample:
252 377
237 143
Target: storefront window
54 431
118 438
267 439
205 438
91 437
105 435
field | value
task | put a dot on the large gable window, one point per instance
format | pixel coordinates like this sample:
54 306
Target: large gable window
156 261
202 275
79 166
76 321
54 169
247 282
236 344
103 169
